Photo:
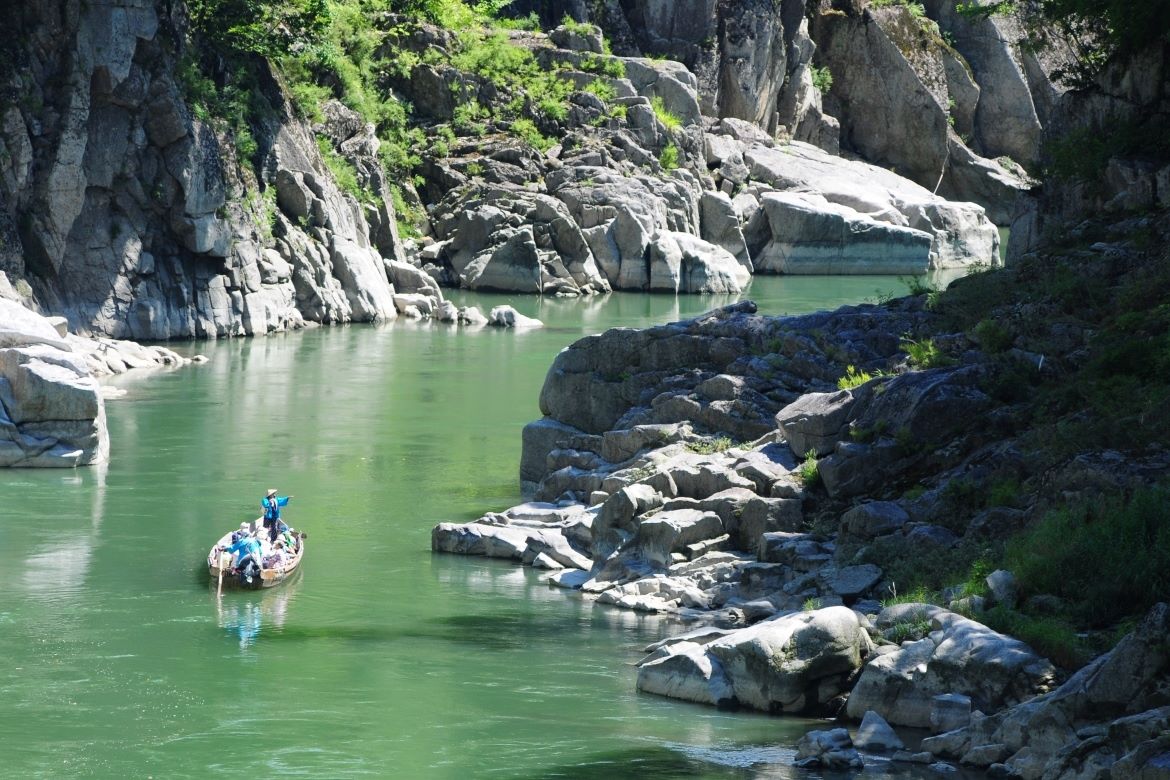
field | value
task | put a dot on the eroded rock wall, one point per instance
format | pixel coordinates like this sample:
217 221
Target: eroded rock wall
132 216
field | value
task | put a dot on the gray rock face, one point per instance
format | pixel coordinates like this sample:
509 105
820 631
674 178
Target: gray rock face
1111 713
138 215
959 657
794 663
859 194
503 239
51 408
906 118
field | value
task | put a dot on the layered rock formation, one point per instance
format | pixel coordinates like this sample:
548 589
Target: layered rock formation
52 409
954 101
1109 720
645 501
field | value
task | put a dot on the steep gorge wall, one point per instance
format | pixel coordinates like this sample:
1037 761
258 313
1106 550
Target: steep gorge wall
953 102
123 211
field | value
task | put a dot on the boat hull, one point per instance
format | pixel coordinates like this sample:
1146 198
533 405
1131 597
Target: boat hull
269 577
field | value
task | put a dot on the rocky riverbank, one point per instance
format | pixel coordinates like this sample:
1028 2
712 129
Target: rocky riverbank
820 496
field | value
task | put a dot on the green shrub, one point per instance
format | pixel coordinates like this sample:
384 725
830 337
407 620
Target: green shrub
918 285
1050 636
822 79
669 157
808 472
343 171
925 354
525 129
905 630
270 28
468 118
854 378
603 89
710 446
993 337
573 26
917 594
1110 556
603 65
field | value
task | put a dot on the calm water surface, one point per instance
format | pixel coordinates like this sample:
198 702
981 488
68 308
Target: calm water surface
380 659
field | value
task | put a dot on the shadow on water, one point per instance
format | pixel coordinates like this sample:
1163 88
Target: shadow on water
501 632
637 763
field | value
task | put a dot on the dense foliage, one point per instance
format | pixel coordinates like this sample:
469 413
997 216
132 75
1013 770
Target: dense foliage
270 28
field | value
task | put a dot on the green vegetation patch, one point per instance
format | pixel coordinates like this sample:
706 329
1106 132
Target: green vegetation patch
1109 557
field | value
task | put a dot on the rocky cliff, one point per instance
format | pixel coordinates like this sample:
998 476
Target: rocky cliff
149 191
954 100
134 214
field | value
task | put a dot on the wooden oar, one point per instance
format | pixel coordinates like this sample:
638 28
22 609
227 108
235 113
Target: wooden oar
222 566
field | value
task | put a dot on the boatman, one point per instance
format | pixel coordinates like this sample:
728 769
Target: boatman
272 504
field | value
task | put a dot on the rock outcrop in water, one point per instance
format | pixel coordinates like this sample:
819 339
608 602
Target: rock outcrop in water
52 410
645 501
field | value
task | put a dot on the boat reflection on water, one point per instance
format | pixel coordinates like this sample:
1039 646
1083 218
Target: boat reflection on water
244 616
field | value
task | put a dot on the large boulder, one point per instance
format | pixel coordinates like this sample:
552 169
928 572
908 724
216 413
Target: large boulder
811 235
51 407
815 422
959 656
680 262
795 663
961 232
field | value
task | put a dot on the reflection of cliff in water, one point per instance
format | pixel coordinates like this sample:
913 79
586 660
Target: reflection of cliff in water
57 564
244 616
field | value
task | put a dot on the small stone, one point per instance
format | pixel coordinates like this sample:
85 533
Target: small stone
875 734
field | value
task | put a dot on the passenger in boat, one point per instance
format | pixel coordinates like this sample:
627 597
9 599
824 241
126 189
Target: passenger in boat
246 552
272 504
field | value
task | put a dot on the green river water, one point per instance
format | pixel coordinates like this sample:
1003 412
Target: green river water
379 659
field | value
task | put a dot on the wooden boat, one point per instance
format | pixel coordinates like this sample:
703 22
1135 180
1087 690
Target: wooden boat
219 564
